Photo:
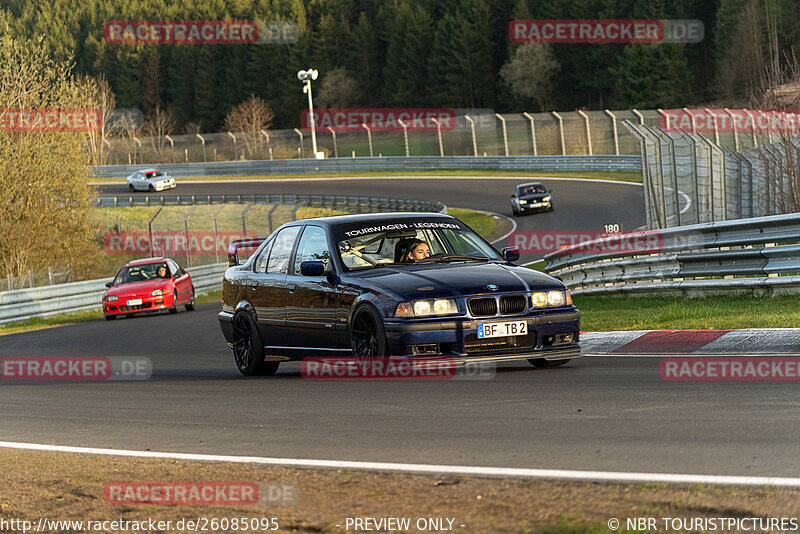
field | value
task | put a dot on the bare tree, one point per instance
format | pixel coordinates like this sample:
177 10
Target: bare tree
99 96
250 117
158 124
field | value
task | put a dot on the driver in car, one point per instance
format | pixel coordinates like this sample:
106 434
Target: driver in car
411 250
161 272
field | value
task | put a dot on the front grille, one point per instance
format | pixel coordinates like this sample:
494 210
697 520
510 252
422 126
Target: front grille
473 344
483 307
511 304
143 306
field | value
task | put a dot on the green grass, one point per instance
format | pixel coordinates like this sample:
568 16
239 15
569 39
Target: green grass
480 222
625 176
603 313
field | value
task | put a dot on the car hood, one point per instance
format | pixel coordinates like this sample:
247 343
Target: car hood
535 197
138 289
455 280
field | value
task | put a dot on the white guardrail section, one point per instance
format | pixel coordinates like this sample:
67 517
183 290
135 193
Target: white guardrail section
46 301
758 256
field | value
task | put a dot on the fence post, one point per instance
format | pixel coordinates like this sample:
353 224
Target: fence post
244 216
716 130
335 148
588 131
369 137
141 154
474 140
9 281
405 134
269 149
735 133
641 117
505 132
30 277
186 230
561 130
439 130
235 152
171 144
50 274
533 133
614 126
150 227
302 148
216 233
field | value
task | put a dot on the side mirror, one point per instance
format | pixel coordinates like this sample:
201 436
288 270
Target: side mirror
109 284
511 253
312 268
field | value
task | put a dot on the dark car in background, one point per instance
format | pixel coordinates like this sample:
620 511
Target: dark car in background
531 197
344 285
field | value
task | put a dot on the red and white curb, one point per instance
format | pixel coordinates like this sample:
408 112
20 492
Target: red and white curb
746 341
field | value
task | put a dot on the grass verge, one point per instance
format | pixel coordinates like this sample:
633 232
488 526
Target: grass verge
70 487
619 312
625 176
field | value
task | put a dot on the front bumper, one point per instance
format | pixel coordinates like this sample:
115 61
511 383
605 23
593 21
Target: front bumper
457 337
149 304
165 186
534 206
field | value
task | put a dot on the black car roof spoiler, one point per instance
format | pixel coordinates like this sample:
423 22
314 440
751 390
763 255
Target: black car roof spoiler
233 248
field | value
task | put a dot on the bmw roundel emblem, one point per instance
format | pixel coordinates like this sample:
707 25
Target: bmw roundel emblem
491 287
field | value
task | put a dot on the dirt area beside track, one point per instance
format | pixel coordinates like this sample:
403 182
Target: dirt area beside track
71 487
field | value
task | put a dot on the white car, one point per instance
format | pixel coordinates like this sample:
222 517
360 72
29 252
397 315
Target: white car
150 180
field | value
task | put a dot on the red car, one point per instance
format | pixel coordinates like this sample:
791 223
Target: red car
148 285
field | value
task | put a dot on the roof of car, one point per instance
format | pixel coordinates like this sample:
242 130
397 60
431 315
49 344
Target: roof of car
530 184
144 261
345 219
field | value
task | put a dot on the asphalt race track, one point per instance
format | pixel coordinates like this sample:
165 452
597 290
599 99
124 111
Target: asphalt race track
597 413
580 205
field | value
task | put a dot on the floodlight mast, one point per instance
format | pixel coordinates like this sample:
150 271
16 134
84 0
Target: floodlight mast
306 76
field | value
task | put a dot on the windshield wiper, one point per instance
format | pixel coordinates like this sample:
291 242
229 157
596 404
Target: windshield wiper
453 257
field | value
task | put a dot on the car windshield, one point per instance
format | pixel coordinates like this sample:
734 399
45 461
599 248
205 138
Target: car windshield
140 273
532 189
154 174
391 242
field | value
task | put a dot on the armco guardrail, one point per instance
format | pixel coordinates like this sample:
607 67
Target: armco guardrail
382 164
350 204
759 255
47 301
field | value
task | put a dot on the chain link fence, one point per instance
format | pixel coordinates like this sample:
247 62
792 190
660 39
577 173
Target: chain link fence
691 179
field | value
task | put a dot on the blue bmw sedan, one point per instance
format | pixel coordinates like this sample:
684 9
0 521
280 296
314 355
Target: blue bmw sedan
399 285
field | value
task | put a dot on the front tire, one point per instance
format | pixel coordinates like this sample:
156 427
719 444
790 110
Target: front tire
190 305
367 336
248 348
174 308
131 188
541 363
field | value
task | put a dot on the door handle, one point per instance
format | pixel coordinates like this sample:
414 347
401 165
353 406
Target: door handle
291 287
254 287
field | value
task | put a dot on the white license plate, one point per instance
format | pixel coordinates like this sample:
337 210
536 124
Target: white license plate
511 328
134 302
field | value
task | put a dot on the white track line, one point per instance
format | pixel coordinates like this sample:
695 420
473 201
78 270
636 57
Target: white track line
510 472
432 177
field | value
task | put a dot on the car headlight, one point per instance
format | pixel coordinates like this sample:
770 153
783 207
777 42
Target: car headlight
109 298
550 298
425 308
546 199
523 201
157 292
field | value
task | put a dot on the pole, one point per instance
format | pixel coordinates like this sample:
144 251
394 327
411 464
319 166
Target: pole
202 140
588 131
302 148
561 129
369 136
533 132
405 134
616 137
505 132
439 130
335 148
